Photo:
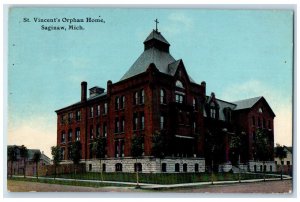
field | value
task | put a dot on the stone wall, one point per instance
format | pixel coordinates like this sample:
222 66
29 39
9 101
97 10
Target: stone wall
149 165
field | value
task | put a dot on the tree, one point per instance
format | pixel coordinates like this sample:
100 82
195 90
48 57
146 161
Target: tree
12 156
158 145
24 156
263 145
56 155
137 151
98 149
76 154
36 158
281 154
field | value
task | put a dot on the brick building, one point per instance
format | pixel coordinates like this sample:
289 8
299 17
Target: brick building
155 95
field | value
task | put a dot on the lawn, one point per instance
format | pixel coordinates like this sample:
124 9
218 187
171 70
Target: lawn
163 178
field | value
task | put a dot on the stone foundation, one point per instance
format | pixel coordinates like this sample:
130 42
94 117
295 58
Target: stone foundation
148 164
258 166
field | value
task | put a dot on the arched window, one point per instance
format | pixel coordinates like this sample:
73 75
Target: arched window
196 167
184 167
142 96
261 168
118 167
177 169
271 170
179 84
136 98
255 169
163 99
117 103
163 167
138 167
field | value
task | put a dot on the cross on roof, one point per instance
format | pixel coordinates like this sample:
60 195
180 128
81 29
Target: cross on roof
156 21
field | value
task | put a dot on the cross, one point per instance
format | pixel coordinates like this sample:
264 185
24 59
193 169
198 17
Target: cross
156 21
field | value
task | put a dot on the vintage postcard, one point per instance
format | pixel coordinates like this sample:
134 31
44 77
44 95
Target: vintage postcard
181 100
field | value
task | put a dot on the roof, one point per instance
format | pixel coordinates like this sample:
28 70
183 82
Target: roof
222 105
156 35
163 60
247 103
159 58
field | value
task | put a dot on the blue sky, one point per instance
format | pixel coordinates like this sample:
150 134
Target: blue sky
239 53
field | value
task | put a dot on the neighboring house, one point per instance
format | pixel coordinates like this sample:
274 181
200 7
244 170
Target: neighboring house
18 165
158 94
286 162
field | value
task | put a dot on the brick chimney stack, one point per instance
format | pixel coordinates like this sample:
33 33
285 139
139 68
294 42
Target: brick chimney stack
83 91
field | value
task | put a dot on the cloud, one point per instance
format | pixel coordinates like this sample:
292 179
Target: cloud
178 22
34 133
278 101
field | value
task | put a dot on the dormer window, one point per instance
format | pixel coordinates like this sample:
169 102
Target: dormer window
162 96
260 110
213 113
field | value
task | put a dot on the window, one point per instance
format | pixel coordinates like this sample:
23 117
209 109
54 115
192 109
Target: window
136 98
98 131
104 130
122 104
271 168
77 134
163 167
62 153
253 120
142 96
91 112
179 98
63 119
179 84
117 103
288 163
261 168
269 124
103 167
105 108
119 148
264 123
78 115
98 110
162 122
282 162
255 168
194 127
135 121
260 110
70 135
70 117
138 167
91 132
90 167
69 152
265 168
213 113
117 125
195 104
163 99
275 162
259 123
196 167
122 124
63 137
177 167
118 167
142 123
184 167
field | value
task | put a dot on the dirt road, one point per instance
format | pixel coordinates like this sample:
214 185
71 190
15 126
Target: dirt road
257 187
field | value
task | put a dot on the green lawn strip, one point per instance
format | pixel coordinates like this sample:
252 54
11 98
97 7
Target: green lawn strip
71 183
164 178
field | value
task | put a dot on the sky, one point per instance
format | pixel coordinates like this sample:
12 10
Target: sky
239 53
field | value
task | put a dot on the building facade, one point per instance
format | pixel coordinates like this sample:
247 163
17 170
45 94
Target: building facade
157 96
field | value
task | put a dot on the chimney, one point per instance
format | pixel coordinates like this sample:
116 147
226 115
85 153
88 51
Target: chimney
203 84
83 91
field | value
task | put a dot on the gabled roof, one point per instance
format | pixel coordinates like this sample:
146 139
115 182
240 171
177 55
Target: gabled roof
247 103
222 105
156 35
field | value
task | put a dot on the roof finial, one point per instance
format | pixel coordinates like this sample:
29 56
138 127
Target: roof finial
156 21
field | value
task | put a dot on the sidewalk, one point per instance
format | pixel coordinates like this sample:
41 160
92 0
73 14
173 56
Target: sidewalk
168 186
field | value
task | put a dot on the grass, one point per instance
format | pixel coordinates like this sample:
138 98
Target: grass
70 183
163 178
